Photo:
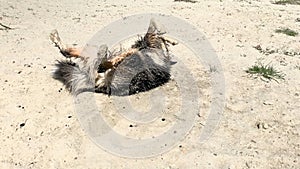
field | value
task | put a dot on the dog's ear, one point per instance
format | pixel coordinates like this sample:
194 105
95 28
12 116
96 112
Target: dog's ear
156 28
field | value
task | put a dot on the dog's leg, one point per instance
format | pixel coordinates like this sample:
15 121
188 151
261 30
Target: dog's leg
166 42
118 59
66 51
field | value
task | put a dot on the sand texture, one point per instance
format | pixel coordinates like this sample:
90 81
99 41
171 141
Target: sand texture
260 123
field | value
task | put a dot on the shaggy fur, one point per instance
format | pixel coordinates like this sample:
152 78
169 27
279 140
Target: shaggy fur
144 67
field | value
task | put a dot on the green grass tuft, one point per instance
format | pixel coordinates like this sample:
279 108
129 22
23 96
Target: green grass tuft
287 31
284 2
265 71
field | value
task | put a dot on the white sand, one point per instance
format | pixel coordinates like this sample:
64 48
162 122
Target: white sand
260 123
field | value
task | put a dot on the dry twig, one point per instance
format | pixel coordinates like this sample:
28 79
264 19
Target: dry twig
5 27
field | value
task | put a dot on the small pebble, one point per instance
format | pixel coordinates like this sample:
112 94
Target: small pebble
265 126
27 65
258 125
22 125
261 125
267 103
258 47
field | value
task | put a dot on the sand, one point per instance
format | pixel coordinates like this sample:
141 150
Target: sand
259 125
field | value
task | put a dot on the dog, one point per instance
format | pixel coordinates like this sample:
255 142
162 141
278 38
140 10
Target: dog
146 65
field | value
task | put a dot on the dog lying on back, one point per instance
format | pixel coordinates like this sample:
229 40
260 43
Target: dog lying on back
144 66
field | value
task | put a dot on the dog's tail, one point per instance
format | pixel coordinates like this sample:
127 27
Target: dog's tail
72 76
79 77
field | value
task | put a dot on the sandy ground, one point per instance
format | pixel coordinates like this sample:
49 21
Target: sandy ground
260 124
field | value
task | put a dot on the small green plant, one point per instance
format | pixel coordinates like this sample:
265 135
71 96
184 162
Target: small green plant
287 31
265 71
191 1
284 2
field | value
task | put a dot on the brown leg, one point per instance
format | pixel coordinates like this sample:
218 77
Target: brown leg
66 51
74 52
166 42
118 59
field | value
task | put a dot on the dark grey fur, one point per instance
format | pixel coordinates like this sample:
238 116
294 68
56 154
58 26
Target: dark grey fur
142 71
